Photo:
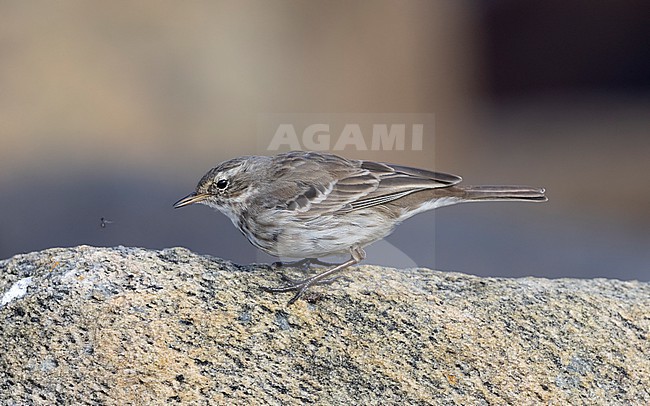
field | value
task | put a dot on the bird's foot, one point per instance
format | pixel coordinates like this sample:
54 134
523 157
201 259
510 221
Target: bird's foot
327 276
300 286
303 264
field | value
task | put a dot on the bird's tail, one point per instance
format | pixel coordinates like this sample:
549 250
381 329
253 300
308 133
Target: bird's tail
526 193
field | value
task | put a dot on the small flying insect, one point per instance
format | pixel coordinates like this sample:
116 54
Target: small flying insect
104 222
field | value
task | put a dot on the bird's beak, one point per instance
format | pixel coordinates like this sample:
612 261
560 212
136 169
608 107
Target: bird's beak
190 199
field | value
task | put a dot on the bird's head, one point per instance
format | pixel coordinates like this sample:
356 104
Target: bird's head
223 186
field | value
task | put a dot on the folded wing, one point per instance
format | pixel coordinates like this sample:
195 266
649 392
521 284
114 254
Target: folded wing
328 184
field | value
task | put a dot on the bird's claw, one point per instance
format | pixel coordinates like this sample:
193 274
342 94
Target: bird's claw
299 286
303 264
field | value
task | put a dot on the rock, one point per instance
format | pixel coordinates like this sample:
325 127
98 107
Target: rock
123 325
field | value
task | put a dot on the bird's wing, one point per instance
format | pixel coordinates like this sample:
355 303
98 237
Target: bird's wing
397 181
314 184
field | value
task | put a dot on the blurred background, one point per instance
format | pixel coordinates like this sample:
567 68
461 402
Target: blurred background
115 110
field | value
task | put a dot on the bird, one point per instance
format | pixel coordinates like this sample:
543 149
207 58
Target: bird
308 204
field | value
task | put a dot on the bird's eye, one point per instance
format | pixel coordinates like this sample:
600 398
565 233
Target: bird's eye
222 184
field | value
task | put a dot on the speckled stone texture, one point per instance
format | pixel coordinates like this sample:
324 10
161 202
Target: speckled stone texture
134 326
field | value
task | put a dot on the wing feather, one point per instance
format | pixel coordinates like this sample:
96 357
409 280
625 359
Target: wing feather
328 183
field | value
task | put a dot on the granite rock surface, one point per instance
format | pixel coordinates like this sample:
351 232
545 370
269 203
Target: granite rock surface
120 325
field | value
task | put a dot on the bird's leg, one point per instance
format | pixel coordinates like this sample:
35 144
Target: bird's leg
316 261
303 263
294 282
357 255
302 286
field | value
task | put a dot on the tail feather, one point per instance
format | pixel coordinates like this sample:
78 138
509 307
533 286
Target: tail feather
504 193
